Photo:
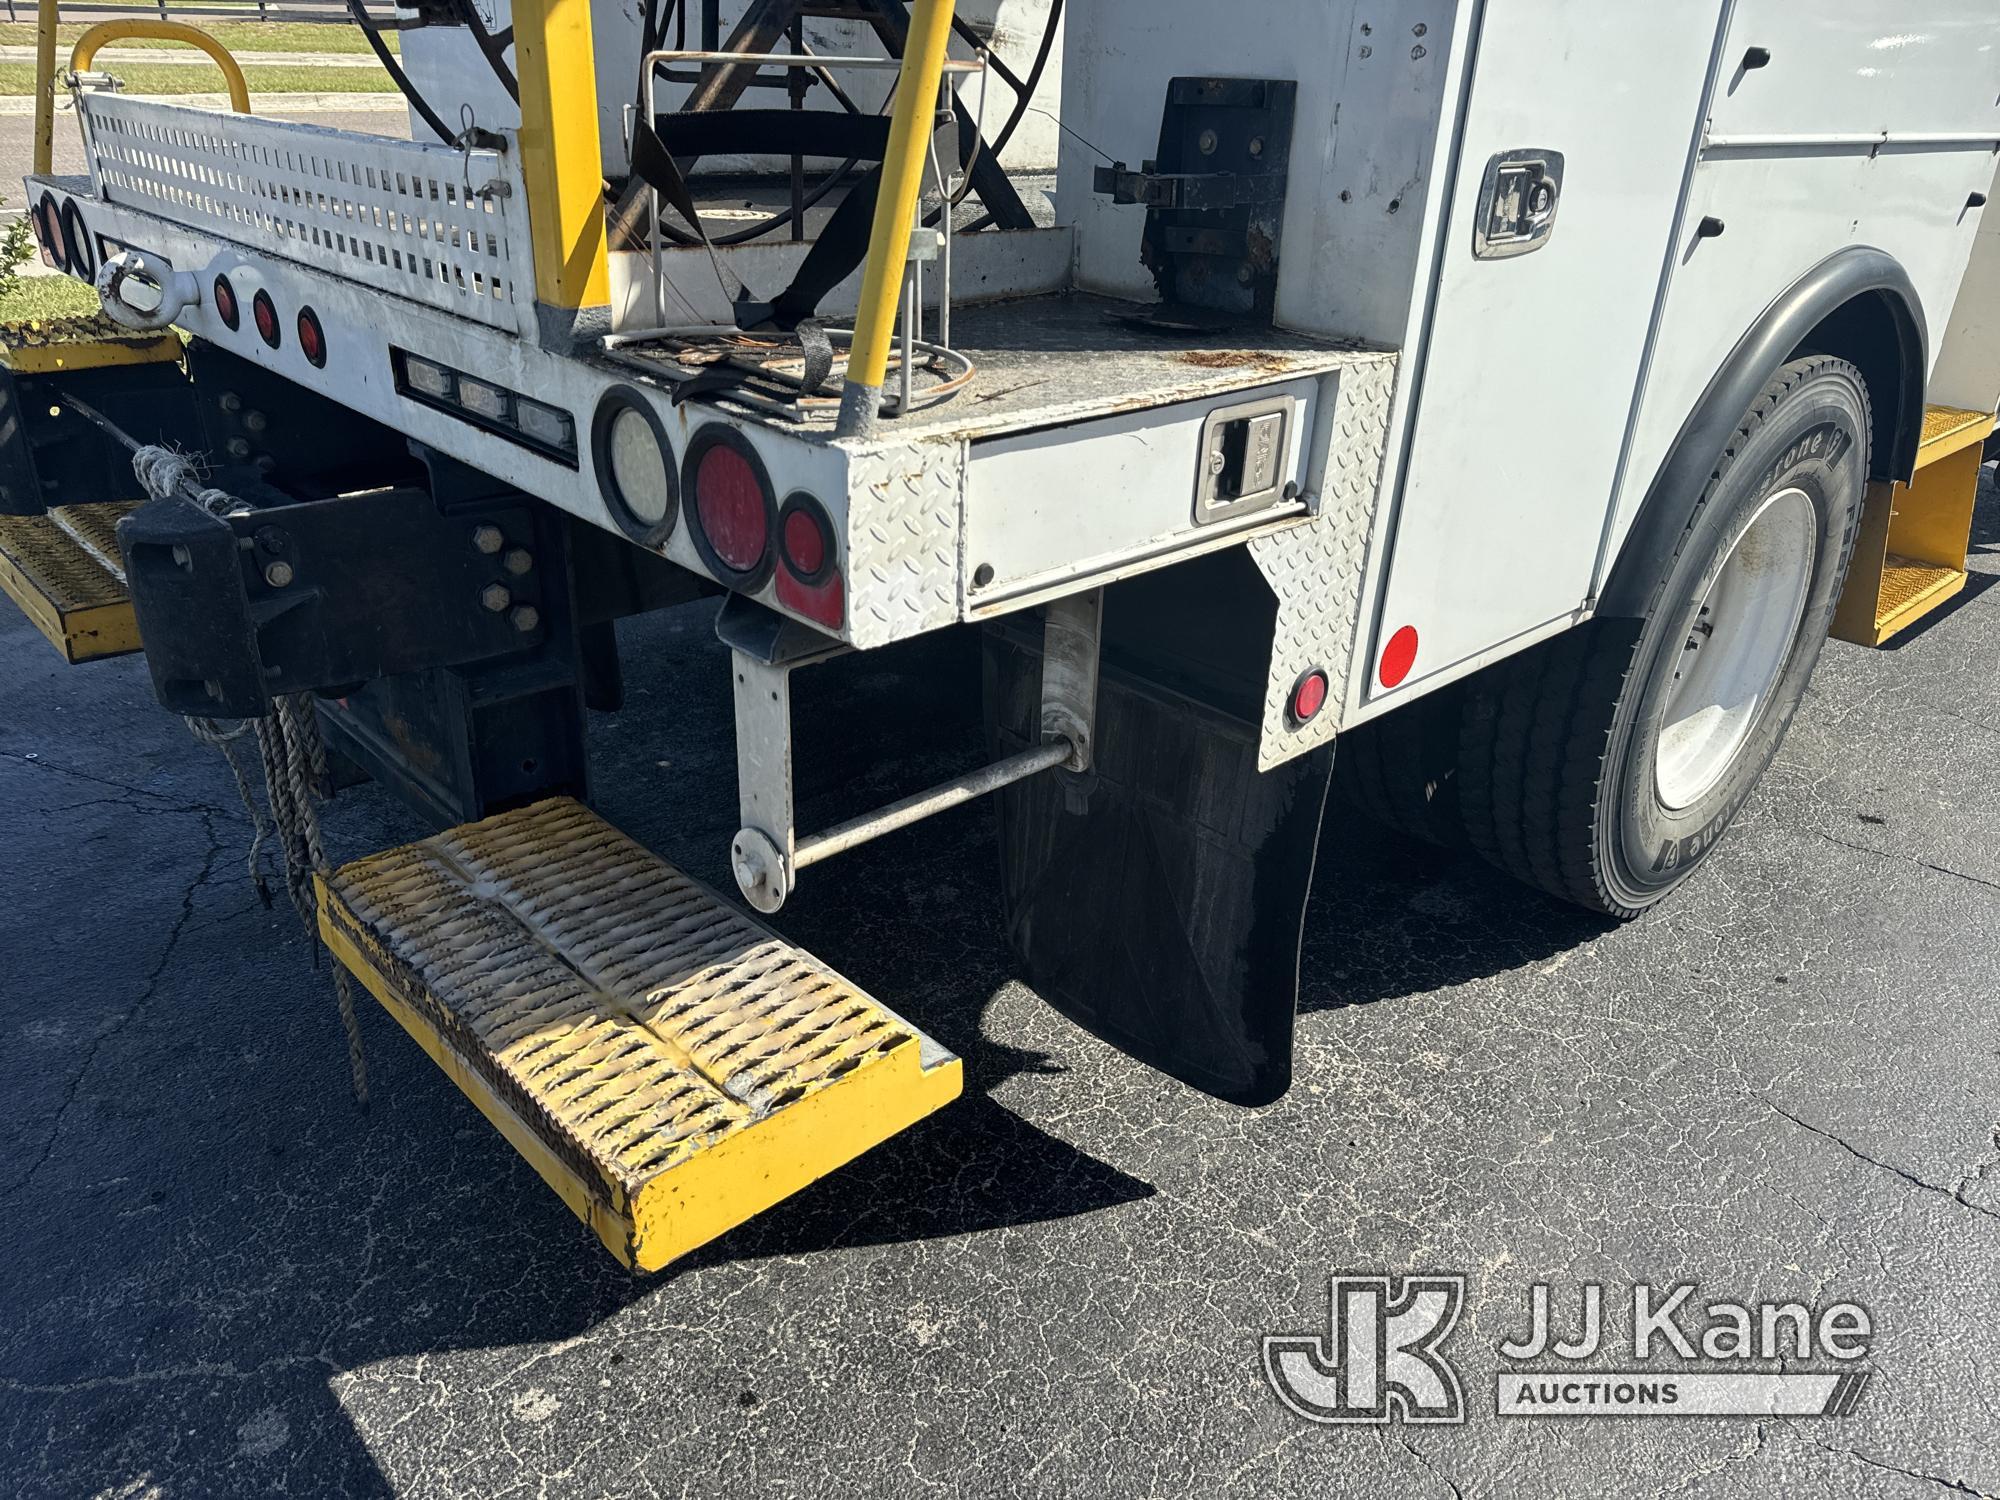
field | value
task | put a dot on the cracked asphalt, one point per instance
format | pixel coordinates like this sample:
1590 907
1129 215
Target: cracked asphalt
221 1279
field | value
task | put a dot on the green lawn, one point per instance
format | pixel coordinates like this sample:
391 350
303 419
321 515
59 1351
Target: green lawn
18 79
46 297
237 36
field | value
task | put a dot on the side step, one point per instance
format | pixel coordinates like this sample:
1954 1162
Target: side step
64 570
668 1065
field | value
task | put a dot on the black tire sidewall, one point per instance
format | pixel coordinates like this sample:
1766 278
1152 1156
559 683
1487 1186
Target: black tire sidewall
1814 439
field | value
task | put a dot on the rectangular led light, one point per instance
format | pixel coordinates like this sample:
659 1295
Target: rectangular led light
544 423
483 400
546 429
428 379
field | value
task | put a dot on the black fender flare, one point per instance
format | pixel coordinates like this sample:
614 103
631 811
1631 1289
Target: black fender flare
1848 274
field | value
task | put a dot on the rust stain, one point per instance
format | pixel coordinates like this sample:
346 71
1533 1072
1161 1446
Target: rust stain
1234 359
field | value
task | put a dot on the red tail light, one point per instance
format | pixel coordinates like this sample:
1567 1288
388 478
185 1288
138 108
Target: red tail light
312 339
265 312
225 304
82 253
1308 697
733 506
809 583
52 233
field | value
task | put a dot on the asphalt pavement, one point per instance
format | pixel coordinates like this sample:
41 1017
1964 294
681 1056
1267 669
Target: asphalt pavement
221 1279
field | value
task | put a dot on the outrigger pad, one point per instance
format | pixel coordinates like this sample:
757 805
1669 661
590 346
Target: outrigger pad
668 1065
1158 899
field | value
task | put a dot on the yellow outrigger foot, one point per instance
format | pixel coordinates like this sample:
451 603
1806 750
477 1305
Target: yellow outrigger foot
63 569
668 1065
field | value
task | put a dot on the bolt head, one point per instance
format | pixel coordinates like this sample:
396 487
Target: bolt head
488 539
517 561
495 597
278 574
237 448
525 618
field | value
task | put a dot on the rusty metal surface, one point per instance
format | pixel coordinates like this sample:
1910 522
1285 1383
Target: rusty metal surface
1044 361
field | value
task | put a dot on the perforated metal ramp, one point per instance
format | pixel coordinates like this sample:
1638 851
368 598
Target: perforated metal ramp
63 570
668 1065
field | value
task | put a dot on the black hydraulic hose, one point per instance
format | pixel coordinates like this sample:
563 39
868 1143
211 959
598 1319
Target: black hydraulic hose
396 74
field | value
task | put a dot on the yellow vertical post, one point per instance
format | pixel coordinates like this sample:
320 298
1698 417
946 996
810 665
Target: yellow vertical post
560 159
45 87
895 206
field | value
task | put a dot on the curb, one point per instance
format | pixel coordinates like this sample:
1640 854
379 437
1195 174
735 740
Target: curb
21 104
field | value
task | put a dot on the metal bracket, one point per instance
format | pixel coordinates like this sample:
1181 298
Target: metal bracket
767 853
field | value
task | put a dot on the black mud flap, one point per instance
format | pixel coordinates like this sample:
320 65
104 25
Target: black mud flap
1157 900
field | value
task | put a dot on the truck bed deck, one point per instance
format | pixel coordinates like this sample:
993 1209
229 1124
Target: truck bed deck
1072 356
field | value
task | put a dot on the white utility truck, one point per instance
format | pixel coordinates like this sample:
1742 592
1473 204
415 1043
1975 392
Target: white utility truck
1488 393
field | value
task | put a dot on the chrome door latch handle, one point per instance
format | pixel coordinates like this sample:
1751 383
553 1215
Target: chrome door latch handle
1517 203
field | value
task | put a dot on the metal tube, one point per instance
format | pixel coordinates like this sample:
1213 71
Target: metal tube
803 60
857 831
45 87
895 208
100 36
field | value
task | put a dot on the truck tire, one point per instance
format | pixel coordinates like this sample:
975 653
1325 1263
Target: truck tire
1603 765
1402 769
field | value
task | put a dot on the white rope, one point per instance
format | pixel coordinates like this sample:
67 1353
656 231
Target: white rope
162 472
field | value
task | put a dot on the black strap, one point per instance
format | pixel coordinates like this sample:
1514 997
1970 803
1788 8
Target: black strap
773 132
840 247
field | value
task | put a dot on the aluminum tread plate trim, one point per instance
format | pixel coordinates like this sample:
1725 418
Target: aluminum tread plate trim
1315 567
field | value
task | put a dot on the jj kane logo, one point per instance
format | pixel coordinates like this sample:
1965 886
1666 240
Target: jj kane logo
1382 1358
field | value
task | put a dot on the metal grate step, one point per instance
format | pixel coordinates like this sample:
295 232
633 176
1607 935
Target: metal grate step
668 1065
64 570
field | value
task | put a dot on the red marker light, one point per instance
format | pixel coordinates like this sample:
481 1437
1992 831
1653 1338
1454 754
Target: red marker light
1398 656
265 313
1308 696
312 341
732 508
225 304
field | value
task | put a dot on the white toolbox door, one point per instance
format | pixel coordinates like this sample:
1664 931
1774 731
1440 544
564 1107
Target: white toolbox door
1534 357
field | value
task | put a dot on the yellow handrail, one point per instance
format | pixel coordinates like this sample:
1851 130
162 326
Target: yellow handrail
45 83
94 40
895 207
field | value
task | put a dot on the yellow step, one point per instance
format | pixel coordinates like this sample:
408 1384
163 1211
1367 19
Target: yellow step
670 1066
1909 550
64 570
80 341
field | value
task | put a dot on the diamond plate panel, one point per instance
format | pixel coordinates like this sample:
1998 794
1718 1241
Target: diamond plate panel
903 508
1315 568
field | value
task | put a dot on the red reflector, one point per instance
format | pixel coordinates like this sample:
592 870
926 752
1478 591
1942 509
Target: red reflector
1399 656
729 502
225 304
1308 696
266 313
805 544
825 602
312 342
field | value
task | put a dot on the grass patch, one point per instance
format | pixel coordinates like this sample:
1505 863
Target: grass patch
18 79
46 297
238 36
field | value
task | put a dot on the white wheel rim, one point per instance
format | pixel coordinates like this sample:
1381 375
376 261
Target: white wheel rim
1740 641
